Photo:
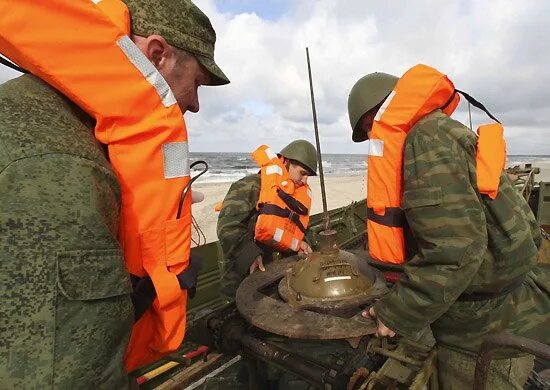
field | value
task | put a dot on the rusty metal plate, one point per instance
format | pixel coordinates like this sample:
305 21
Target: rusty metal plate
272 314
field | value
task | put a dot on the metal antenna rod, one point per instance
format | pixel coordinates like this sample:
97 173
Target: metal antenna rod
319 159
470 115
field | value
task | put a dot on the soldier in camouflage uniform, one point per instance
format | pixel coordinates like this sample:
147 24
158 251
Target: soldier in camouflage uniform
65 306
243 255
475 272
238 216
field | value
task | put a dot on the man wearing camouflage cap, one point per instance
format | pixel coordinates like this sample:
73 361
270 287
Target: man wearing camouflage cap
471 269
237 220
180 29
65 293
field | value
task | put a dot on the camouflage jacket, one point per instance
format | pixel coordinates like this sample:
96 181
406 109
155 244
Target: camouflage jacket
466 243
236 224
65 307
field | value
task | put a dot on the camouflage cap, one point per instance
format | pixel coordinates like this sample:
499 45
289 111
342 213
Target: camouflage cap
183 25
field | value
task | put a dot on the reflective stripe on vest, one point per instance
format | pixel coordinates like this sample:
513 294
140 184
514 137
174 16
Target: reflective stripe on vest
102 71
283 209
420 91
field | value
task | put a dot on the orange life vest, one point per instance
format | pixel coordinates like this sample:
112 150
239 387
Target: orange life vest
418 92
83 49
283 208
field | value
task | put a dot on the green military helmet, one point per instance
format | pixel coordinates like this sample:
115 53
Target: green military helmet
366 94
303 152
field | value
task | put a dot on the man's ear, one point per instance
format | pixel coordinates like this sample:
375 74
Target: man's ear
157 50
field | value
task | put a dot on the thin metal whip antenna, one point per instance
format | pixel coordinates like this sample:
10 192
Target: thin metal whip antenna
470 115
319 159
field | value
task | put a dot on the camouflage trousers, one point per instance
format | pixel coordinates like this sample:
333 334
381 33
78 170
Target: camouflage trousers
456 371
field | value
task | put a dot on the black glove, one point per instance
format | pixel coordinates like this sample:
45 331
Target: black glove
188 278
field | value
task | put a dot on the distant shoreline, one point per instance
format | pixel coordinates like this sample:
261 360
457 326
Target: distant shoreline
341 191
229 167
363 154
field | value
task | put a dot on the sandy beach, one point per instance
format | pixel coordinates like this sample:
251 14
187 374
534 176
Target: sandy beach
341 191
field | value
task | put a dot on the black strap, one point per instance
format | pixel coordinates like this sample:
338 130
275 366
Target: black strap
477 104
474 297
10 64
272 209
393 217
449 101
143 295
382 266
144 290
292 203
472 101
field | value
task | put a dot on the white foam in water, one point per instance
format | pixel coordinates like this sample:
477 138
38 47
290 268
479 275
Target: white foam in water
229 167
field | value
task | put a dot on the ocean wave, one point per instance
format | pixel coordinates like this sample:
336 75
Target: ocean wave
229 167
217 177
239 167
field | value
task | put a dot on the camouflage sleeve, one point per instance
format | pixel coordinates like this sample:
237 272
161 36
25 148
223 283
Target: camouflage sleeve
533 224
447 220
63 282
234 233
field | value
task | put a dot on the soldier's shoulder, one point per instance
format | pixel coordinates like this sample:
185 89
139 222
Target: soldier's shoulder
37 120
439 128
247 183
244 190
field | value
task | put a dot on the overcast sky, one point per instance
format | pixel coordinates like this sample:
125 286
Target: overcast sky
497 50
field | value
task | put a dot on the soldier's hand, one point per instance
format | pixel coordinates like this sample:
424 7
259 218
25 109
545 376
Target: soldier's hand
257 264
305 249
382 330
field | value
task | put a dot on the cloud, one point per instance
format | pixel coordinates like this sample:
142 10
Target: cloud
498 51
